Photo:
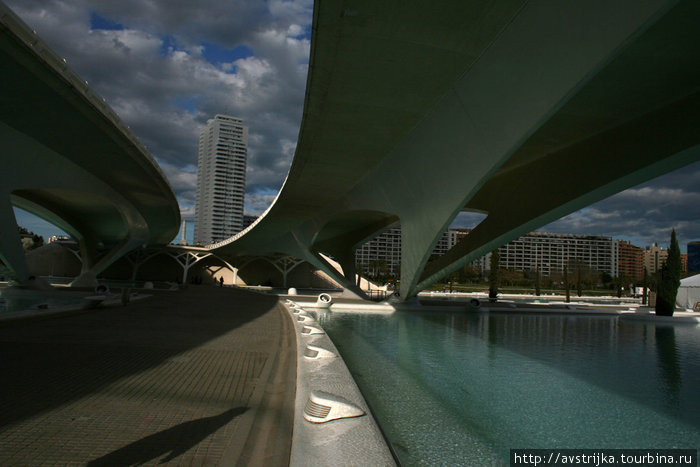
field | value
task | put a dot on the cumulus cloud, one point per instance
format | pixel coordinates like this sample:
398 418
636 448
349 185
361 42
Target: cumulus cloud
258 202
153 66
646 213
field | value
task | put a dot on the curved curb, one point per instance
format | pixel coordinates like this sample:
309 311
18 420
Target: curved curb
321 370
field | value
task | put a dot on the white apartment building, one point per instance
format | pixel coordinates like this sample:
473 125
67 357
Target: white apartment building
385 248
550 252
221 166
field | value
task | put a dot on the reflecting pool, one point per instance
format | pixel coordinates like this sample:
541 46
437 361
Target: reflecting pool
19 300
465 388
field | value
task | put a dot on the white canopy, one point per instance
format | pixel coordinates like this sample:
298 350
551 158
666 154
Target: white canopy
689 293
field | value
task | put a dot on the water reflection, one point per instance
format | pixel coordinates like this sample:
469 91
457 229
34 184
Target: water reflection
669 362
15 299
496 380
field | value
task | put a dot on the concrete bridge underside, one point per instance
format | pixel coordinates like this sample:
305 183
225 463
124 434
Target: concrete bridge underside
66 157
524 111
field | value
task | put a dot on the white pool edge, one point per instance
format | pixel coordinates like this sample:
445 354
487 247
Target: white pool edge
345 441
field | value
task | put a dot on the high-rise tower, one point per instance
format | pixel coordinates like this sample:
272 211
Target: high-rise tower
223 148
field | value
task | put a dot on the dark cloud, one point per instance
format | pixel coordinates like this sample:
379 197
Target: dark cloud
154 73
646 213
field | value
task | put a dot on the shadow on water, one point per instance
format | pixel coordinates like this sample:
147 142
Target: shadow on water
174 441
611 351
46 364
669 362
617 356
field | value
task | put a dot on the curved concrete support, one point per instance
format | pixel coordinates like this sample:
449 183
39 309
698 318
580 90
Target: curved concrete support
285 265
67 158
11 251
186 257
516 93
494 232
138 257
523 78
69 195
319 261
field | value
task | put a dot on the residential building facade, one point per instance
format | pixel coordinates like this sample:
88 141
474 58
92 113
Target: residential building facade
630 260
654 258
684 263
223 152
383 252
551 252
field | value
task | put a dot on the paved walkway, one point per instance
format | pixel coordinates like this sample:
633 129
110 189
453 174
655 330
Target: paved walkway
204 376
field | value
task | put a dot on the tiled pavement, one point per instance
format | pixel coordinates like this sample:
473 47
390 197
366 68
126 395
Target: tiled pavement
203 376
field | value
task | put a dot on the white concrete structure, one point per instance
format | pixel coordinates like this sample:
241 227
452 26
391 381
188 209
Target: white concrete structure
68 158
223 149
521 111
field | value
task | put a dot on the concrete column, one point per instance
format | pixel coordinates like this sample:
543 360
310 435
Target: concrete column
11 250
88 277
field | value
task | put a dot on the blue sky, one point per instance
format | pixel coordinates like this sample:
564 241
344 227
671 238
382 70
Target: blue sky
166 68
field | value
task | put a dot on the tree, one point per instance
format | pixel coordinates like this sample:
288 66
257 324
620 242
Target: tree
620 282
37 241
645 284
30 240
537 282
670 280
469 274
493 275
567 285
378 268
579 279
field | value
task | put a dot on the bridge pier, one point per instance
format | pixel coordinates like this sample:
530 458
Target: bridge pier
11 250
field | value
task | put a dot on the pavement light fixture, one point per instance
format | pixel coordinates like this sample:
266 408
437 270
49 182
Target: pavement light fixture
324 301
323 407
313 352
310 330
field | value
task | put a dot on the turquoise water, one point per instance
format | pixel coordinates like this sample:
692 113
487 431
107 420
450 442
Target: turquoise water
465 388
16 301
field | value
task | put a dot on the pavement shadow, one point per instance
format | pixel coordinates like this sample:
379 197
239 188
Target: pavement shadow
174 441
46 364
